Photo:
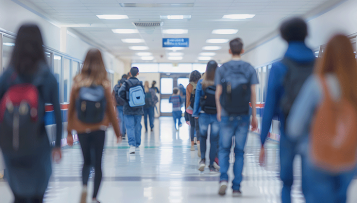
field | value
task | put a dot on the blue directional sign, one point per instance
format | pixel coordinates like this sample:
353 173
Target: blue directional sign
175 42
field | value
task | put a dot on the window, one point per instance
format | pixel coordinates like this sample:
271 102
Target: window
167 85
75 69
183 81
166 107
66 79
175 68
8 46
201 67
57 64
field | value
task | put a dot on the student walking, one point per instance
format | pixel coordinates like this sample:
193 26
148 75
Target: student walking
327 108
235 88
26 86
120 105
190 100
296 66
132 91
176 101
153 86
91 110
149 109
205 109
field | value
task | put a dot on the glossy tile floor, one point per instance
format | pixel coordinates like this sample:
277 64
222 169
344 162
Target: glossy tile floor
165 170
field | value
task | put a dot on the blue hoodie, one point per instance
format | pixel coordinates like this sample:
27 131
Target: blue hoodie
298 52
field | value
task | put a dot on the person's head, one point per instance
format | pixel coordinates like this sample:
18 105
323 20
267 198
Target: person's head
195 76
236 47
338 58
153 84
208 78
124 76
28 51
146 86
176 91
294 29
128 75
93 71
134 71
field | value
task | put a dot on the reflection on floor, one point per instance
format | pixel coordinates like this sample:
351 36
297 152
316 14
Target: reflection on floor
165 170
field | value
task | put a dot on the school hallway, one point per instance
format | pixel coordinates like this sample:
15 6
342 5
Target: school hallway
165 170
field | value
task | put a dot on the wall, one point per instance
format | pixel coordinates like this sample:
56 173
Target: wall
151 77
340 19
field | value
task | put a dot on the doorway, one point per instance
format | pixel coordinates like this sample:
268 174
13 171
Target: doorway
168 81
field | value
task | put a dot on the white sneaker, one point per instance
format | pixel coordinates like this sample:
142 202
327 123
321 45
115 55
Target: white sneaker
216 166
137 148
222 188
132 150
84 195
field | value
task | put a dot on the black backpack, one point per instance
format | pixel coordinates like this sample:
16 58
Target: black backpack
192 98
295 78
208 100
91 104
118 99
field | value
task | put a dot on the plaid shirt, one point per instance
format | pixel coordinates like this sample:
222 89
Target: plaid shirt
176 101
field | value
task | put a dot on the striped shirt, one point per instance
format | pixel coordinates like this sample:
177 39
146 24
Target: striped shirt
176 101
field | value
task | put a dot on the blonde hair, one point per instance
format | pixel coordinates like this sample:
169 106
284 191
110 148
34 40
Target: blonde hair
146 86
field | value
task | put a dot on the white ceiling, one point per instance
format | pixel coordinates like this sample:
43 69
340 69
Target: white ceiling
206 16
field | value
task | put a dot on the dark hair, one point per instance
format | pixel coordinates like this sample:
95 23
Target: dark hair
293 29
175 91
124 76
153 84
195 76
134 71
208 78
236 46
28 51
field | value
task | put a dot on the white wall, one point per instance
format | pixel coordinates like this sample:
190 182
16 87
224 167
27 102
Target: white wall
341 19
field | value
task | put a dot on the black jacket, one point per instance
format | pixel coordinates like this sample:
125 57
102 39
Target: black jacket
123 94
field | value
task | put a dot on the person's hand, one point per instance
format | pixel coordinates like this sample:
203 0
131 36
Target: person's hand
219 116
70 139
254 123
188 123
57 154
262 156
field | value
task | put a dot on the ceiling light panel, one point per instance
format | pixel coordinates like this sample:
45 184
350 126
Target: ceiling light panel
239 16
217 41
204 58
175 58
225 31
125 31
175 48
175 31
112 17
207 54
175 54
147 58
212 48
176 17
132 40
139 48
143 54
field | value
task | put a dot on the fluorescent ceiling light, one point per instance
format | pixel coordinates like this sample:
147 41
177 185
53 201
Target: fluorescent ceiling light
132 40
225 31
125 31
9 44
207 54
217 41
143 54
175 48
176 17
147 58
204 58
175 31
112 17
139 48
212 48
175 58
239 16
175 54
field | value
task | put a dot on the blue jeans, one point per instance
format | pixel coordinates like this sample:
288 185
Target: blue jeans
237 126
204 121
177 117
133 127
328 187
149 112
121 119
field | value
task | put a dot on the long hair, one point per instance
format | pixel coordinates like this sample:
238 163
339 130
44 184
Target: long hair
146 86
339 59
208 77
93 71
28 51
153 84
195 76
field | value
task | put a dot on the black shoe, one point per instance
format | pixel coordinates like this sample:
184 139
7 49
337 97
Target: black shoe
202 165
237 193
212 169
152 129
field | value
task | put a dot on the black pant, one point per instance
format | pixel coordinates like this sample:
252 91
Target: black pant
194 126
92 145
19 199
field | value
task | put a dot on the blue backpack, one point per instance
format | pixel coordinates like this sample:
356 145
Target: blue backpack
91 104
136 94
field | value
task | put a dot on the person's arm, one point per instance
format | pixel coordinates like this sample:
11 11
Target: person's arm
157 90
199 93
218 101
303 109
253 101
189 89
170 99
111 112
122 92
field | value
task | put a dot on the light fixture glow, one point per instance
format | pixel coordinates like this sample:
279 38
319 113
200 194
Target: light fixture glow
175 58
175 31
9 44
176 17
175 48
132 40
139 48
217 41
147 58
225 31
112 17
212 48
239 16
143 54
175 54
204 58
125 31
207 54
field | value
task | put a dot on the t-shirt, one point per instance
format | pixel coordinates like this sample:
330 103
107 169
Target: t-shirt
176 101
236 72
